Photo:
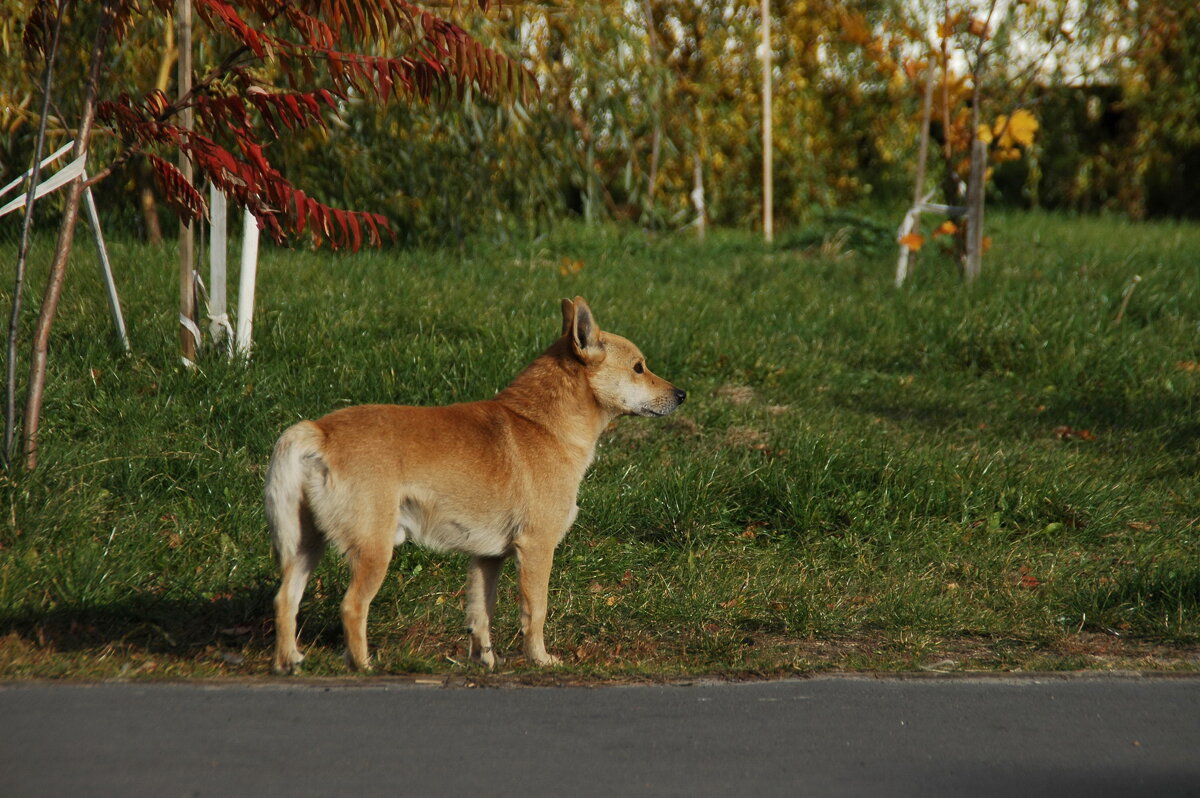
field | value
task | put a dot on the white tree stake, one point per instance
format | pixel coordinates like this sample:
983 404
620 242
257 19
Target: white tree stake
246 280
218 309
76 168
110 285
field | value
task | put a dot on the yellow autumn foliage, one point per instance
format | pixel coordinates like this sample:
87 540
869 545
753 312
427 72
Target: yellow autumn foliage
1017 130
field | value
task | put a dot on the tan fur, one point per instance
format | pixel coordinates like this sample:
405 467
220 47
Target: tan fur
491 479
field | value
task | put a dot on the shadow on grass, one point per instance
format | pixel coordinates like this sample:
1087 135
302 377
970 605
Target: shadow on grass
155 625
1168 422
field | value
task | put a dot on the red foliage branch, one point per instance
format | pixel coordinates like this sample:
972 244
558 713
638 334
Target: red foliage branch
250 180
234 106
441 54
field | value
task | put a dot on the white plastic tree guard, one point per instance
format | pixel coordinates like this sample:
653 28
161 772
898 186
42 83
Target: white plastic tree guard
73 170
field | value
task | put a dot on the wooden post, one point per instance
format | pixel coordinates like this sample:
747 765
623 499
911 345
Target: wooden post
698 194
188 331
972 265
768 187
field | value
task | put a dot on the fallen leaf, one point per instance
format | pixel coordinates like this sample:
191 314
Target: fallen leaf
1065 433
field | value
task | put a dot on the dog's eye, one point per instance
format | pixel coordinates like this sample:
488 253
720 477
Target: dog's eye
638 367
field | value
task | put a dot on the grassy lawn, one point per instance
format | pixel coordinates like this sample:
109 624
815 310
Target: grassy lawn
863 478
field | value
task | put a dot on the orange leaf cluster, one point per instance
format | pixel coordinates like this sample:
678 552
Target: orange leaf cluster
1065 433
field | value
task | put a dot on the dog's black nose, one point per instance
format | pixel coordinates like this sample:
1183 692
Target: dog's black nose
680 395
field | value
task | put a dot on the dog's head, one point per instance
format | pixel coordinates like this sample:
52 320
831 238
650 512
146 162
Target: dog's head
615 368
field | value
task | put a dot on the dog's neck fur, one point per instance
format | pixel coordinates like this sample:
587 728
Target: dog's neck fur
553 392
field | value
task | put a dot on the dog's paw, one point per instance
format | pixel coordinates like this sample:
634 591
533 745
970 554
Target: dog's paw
358 667
486 658
545 660
288 666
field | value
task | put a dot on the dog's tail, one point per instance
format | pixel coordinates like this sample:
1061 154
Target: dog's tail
297 451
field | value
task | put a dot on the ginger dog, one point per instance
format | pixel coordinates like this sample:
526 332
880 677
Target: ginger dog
491 479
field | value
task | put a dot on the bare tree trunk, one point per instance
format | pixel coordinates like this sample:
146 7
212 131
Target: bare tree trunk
66 235
972 263
14 320
188 337
973 255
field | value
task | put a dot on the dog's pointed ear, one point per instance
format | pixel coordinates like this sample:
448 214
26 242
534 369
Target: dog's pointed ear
580 326
568 311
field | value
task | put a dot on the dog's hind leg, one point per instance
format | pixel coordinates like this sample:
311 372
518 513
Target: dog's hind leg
481 605
297 566
368 567
534 562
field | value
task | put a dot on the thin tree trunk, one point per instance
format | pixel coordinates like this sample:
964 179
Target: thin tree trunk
14 320
188 338
972 262
66 235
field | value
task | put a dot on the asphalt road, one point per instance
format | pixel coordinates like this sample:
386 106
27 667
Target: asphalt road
821 737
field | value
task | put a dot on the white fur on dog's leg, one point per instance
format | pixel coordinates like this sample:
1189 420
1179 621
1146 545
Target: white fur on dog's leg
485 657
542 658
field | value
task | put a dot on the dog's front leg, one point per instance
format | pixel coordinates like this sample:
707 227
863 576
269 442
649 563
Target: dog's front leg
535 558
481 605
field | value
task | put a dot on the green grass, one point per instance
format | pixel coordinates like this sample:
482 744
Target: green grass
861 478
